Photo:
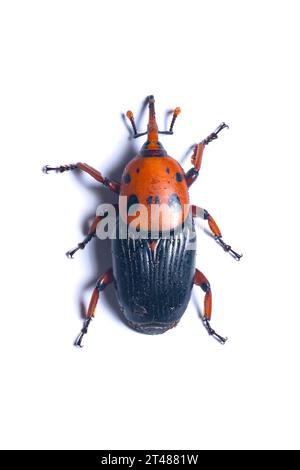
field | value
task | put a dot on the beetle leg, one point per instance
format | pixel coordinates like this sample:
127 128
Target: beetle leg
112 185
204 214
228 248
200 280
196 159
214 135
102 282
90 235
59 169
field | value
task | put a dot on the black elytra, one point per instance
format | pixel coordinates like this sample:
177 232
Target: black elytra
154 286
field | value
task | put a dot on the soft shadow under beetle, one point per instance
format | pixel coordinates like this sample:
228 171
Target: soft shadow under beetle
154 276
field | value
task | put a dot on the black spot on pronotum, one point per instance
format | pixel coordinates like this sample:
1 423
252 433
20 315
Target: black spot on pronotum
179 177
168 170
153 200
137 170
131 201
174 201
127 178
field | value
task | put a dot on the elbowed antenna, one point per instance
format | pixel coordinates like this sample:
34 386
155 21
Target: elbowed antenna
152 129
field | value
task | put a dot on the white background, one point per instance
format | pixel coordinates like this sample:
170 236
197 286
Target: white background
68 71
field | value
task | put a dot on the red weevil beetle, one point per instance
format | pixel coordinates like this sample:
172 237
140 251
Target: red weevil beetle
154 276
